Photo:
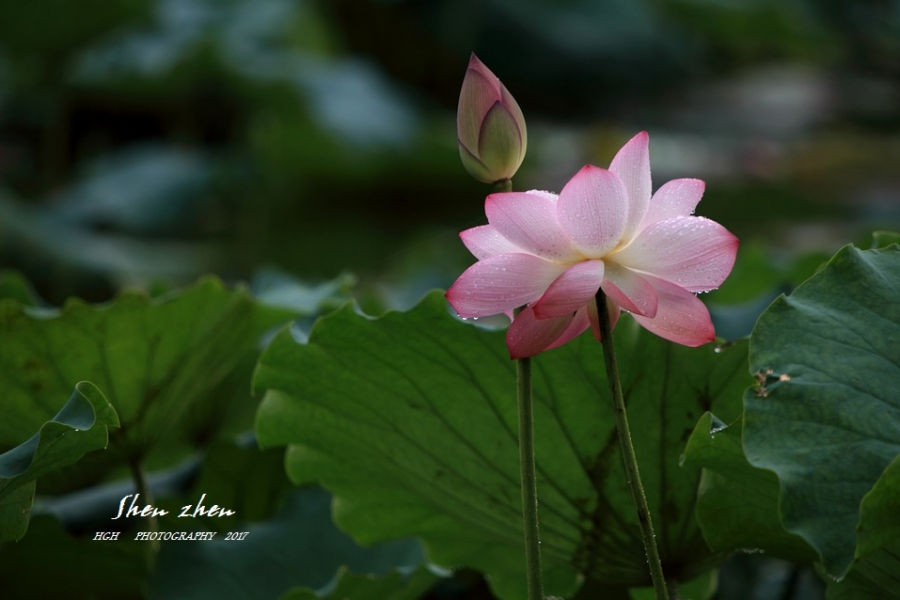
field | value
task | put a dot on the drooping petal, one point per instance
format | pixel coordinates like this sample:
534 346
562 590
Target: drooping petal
528 219
680 317
480 90
528 335
632 165
629 290
571 291
593 210
692 252
501 283
500 143
594 316
485 241
580 323
677 198
614 313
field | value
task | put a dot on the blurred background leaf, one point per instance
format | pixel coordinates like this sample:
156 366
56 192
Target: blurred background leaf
299 545
160 139
393 586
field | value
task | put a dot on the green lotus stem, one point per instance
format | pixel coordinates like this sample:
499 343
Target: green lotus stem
628 456
528 476
529 480
142 483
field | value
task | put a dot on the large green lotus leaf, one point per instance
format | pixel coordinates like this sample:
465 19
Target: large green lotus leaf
874 577
737 503
81 426
876 574
155 358
880 512
410 420
15 510
825 415
393 586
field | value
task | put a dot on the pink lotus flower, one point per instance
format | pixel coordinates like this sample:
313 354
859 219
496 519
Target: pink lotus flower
490 127
551 254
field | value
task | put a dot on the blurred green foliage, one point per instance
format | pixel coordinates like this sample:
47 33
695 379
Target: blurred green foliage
145 140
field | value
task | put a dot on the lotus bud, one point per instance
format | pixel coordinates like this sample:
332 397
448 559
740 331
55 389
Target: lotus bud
490 126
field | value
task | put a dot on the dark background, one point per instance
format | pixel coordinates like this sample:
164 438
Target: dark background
146 141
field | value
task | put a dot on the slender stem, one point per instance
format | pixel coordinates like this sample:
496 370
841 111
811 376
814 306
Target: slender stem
504 185
628 456
529 480
142 483
533 574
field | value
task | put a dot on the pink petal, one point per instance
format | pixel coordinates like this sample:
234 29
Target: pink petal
629 290
632 165
528 220
677 198
571 291
485 241
501 283
580 323
528 335
593 210
693 252
681 317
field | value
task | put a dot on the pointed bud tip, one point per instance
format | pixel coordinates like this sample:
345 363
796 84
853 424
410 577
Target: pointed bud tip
477 64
